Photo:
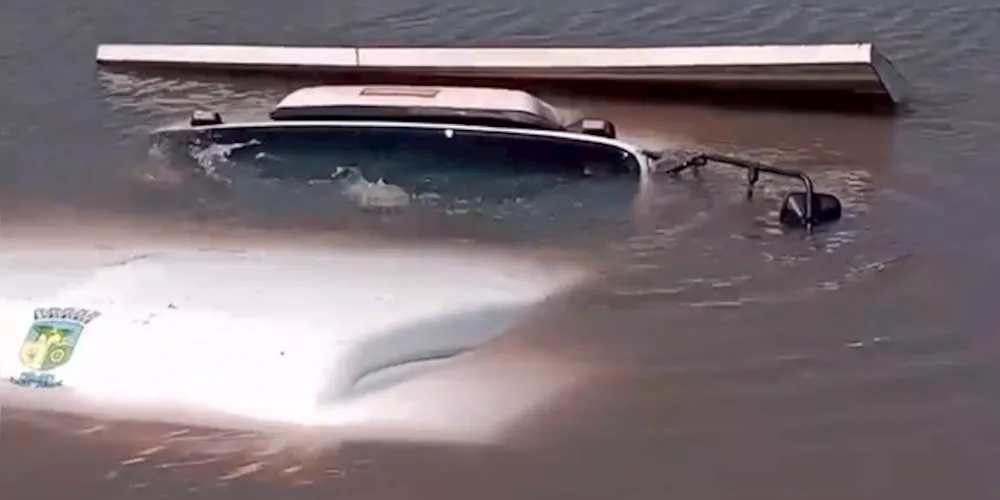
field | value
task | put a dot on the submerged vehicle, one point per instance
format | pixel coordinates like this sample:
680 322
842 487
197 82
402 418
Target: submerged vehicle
325 335
284 334
398 133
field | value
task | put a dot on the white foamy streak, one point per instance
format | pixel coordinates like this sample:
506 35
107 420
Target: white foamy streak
282 337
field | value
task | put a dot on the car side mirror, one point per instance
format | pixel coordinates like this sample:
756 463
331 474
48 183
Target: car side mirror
804 209
797 211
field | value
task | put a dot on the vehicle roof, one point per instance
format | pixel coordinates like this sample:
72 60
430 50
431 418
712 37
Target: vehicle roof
329 101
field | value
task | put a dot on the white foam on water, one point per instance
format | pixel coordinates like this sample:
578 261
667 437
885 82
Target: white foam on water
352 339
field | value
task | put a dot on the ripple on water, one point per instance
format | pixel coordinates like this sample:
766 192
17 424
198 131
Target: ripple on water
138 453
731 254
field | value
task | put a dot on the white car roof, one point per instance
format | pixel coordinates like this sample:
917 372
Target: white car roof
407 96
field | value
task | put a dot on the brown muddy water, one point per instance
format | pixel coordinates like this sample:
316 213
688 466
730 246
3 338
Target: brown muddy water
727 359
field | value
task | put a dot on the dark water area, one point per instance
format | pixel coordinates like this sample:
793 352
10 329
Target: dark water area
737 361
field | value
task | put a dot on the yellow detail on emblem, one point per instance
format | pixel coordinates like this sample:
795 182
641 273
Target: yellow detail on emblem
53 336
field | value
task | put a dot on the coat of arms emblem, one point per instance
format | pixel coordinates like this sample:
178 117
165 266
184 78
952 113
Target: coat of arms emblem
53 337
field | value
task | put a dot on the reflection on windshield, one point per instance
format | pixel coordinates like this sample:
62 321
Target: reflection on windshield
323 174
417 159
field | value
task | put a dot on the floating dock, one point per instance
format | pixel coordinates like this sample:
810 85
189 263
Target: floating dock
853 71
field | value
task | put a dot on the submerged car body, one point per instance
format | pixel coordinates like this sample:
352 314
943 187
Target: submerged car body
433 138
391 132
277 335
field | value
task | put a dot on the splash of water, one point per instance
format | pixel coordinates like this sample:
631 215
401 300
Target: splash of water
370 194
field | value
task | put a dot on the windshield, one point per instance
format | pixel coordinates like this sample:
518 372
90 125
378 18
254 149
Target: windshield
417 159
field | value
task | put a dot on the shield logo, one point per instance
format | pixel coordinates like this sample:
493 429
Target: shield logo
50 343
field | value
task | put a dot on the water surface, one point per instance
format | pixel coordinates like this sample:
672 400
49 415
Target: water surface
733 360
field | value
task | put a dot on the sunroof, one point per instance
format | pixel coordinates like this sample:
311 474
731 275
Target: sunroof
400 91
